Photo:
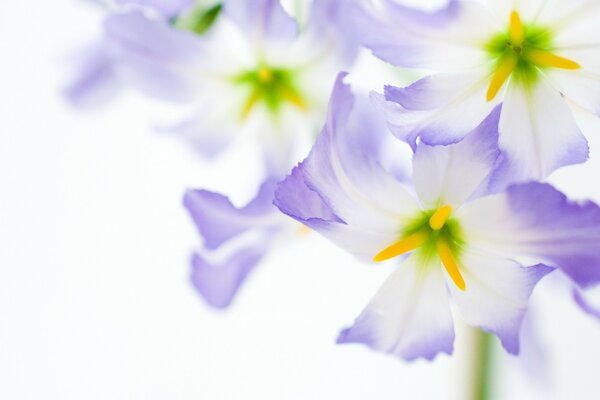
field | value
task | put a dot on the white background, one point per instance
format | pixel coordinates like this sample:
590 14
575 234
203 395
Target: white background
94 245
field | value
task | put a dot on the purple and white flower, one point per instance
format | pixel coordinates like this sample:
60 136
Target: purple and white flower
532 56
235 240
255 73
458 244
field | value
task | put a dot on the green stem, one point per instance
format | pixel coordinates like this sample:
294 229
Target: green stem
482 372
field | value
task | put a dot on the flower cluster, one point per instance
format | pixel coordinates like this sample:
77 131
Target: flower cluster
468 219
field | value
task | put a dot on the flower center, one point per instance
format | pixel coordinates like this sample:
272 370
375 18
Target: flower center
273 87
522 52
432 234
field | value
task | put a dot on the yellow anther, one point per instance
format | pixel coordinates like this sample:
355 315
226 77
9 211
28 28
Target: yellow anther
502 73
439 217
293 97
516 30
265 75
405 245
250 103
445 253
547 59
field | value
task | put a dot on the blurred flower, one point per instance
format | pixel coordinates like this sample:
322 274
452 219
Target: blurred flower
245 66
530 56
483 252
235 240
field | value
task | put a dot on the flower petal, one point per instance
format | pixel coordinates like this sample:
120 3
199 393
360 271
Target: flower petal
447 39
167 8
453 174
261 18
581 86
218 220
218 281
496 295
429 107
588 300
96 81
538 133
537 224
355 189
408 317
154 57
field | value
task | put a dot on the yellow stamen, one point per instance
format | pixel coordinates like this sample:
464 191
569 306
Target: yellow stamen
502 73
405 245
547 59
439 217
265 75
516 30
254 98
445 253
293 97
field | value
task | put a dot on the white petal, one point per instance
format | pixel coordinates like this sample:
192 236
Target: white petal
442 108
496 295
538 133
452 174
581 86
409 316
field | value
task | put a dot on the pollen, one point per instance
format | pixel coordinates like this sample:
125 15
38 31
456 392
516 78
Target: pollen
439 217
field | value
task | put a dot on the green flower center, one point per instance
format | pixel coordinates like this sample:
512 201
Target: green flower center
522 52
272 87
432 235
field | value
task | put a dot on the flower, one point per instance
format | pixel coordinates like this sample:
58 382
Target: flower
530 56
254 73
457 243
235 240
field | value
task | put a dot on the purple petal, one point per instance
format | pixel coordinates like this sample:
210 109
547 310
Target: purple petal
454 174
154 57
346 179
536 221
167 8
262 18
408 37
582 298
429 107
218 282
218 220
96 81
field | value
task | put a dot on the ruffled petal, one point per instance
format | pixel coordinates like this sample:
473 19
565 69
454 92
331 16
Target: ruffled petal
262 18
155 58
218 281
96 81
536 223
538 133
429 107
355 189
447 39
408 317
496 295
453 174
218 220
